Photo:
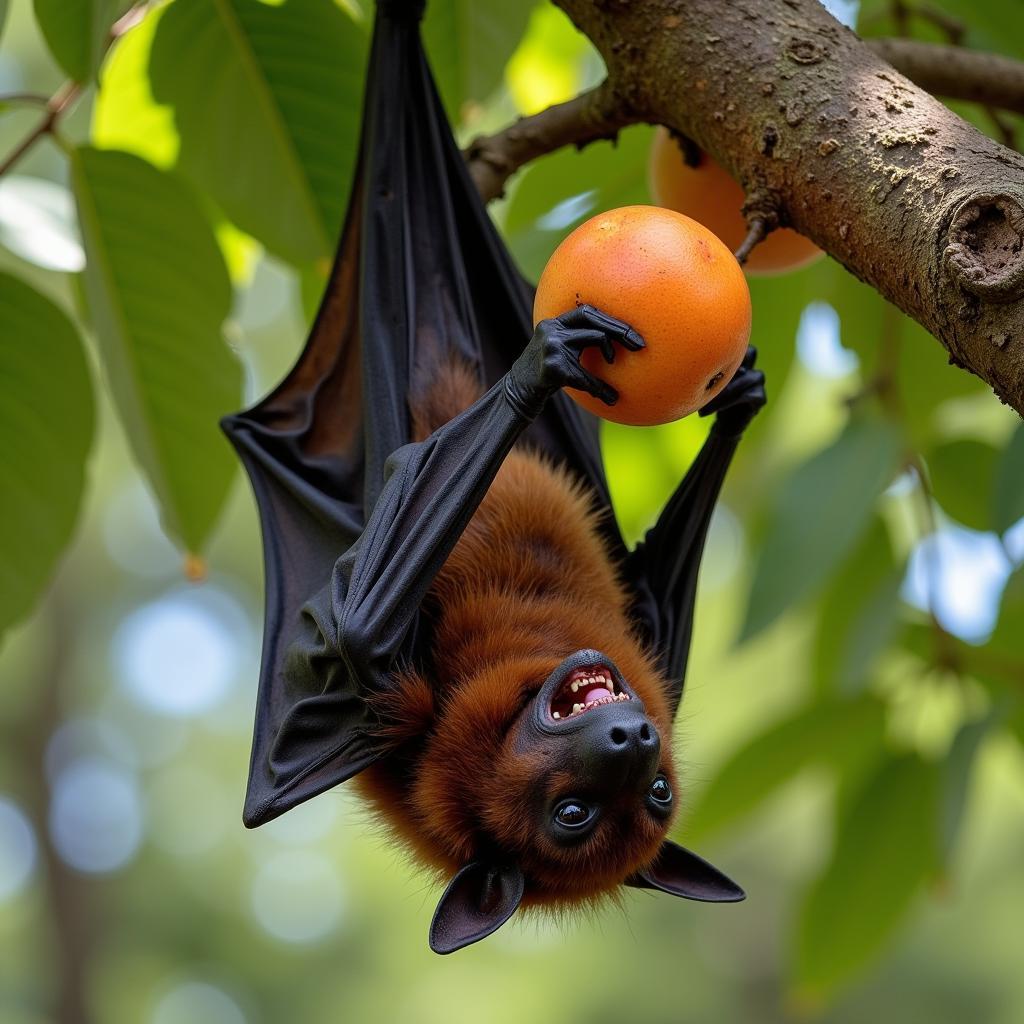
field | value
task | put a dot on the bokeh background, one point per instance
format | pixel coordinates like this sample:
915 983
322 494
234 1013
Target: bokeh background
853 727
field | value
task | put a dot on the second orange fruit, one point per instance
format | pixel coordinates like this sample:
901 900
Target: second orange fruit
673 281
711 195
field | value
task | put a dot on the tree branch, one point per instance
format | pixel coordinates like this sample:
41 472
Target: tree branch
885 178
597 114
55 106
58 104
957 73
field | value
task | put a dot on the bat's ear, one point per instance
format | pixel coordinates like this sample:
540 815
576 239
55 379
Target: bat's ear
681 873
478 901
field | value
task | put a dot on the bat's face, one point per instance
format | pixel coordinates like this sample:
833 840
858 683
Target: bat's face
539 784
594 781
571 799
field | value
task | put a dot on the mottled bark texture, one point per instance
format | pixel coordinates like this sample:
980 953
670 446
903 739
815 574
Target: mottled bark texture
826 136
956 72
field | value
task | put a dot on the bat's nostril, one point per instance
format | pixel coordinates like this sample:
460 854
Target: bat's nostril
645 733
619 736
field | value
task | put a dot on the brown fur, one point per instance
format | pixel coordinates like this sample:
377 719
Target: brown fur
529 583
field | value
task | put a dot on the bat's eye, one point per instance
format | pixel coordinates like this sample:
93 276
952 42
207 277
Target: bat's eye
661 791
573 815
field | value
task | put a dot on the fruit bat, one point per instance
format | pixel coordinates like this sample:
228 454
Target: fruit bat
451 612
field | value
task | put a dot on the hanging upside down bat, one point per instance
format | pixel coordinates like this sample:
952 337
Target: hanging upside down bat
452 614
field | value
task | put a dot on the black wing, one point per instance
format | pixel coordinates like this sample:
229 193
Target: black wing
420 274
663 568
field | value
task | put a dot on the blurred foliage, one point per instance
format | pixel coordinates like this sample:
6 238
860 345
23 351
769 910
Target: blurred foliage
43 459
854 723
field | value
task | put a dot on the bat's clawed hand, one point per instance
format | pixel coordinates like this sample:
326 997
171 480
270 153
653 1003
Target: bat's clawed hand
741 399
552 358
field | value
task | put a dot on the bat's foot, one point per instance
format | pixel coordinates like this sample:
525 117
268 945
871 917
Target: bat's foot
741 399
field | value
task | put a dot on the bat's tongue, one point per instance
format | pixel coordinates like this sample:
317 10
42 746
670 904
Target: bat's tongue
595 693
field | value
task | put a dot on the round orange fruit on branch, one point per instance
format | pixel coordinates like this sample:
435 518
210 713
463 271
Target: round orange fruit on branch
708 193
677 285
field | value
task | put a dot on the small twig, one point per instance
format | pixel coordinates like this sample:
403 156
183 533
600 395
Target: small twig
65 96
758 232
35 99
129 20
55 106
599 113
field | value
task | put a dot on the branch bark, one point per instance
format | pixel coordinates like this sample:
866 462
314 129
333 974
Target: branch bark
906 195
597 114
941 69
957 73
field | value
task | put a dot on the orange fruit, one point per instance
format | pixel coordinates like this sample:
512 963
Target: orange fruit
708 193
675 283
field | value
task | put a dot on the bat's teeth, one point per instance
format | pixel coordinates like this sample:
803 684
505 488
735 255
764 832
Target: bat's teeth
575 686
577 707
608 686
556 715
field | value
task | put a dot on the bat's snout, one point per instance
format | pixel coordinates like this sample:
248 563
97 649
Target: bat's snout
621 743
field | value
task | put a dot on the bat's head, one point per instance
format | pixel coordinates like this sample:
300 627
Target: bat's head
575 799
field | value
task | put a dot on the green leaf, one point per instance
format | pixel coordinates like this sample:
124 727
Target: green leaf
834 731
961 475
267 101
312 282
821 511
552 63
778 302
77 31
918 638
645 465
859 614
46 427
956 776
1006 637
884 851
469 43
1008 492
125 115
158 292
925 376
892 345
3 15
1015 722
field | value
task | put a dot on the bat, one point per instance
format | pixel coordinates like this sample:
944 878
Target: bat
452 615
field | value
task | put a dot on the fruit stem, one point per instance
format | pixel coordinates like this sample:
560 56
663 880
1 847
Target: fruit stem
758 231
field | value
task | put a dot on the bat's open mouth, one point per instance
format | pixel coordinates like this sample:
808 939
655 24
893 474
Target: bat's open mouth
586 688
